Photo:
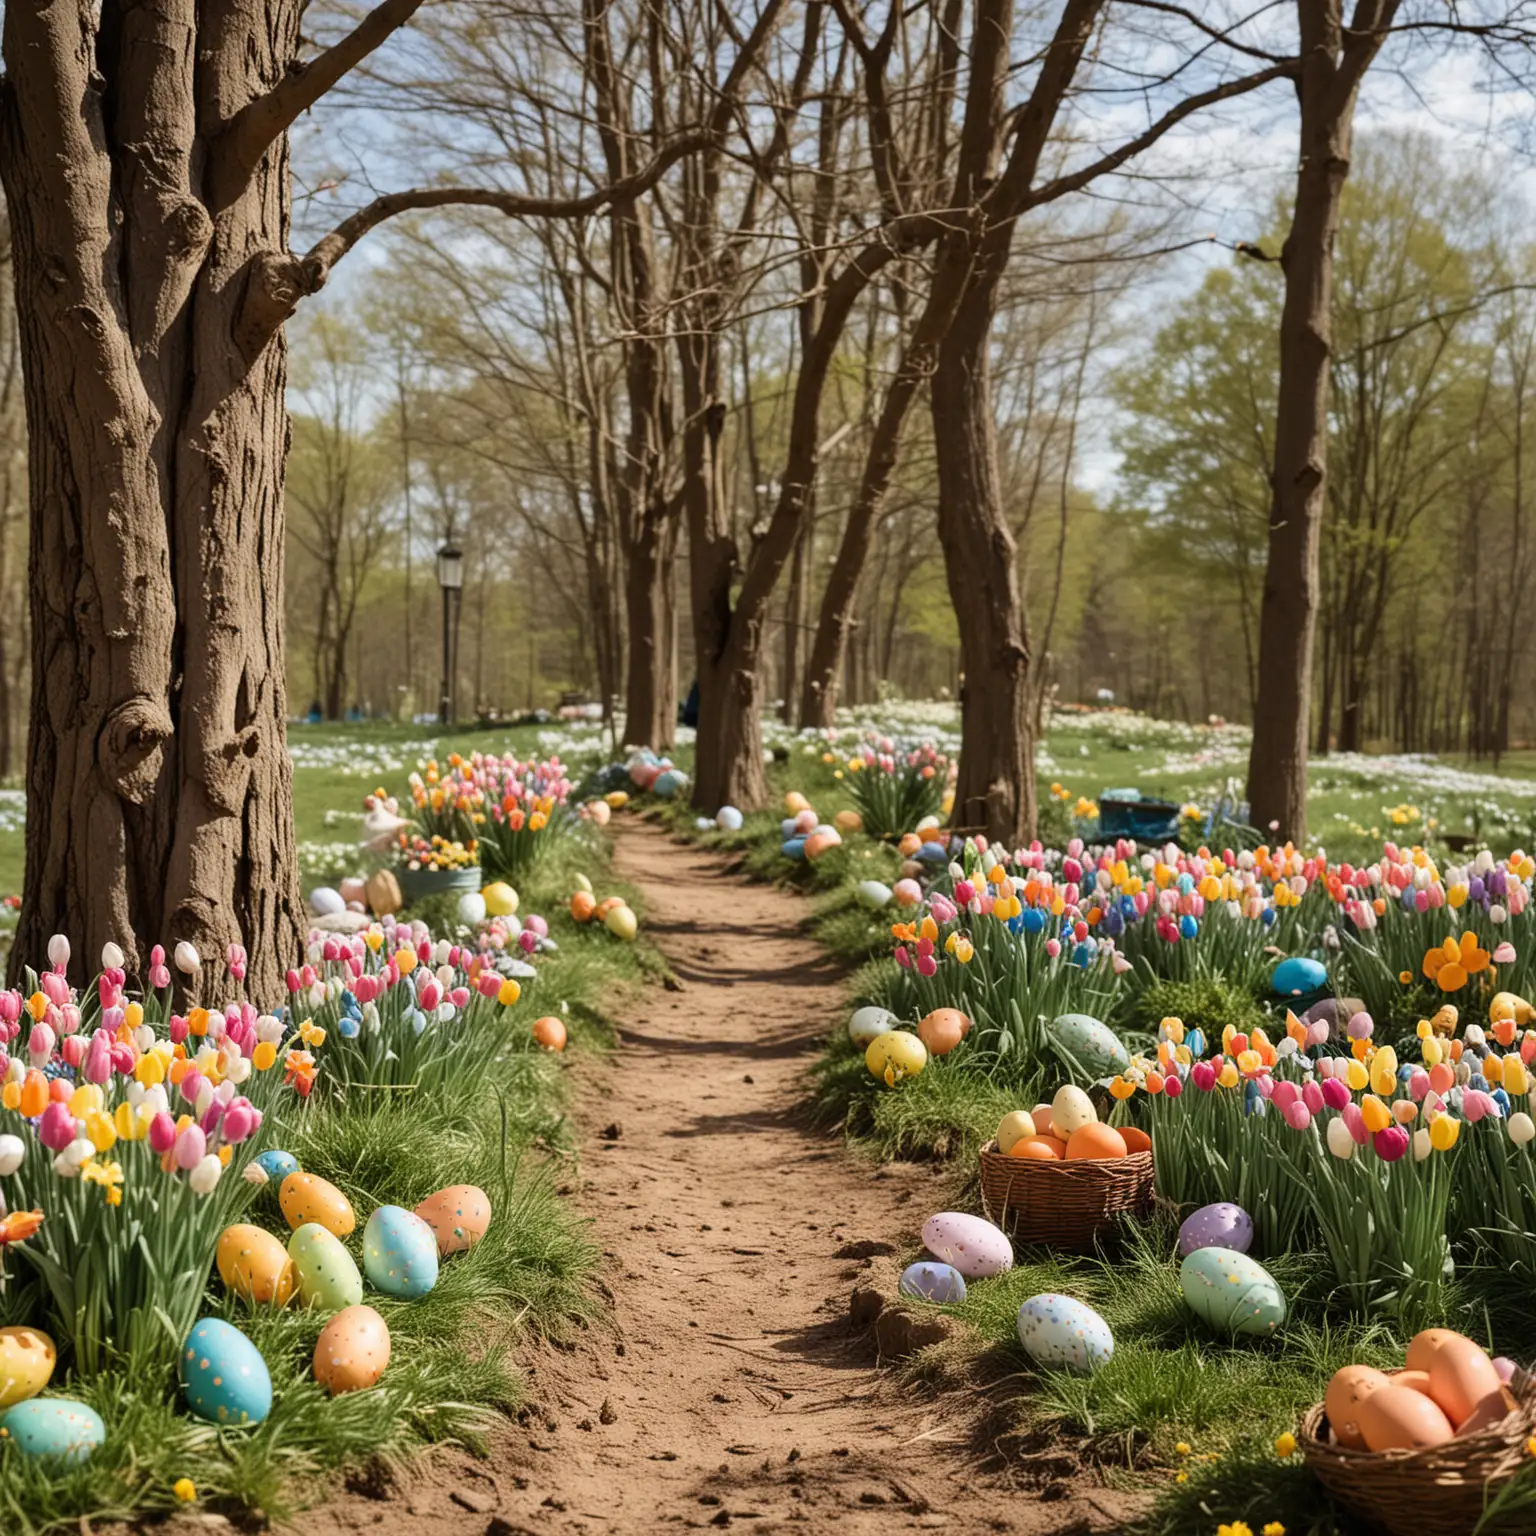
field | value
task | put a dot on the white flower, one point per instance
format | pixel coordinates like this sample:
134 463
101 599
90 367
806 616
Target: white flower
269 1028
1522 1129
204 1098
239 1070
1422 1145
144 1038
188 961
58 951
64 1168
1496 913
204 1178
79 1152
13 1153
111 957
155 1100
1340 1142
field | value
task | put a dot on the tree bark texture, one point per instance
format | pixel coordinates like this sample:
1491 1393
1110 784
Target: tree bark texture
149 291
1328 83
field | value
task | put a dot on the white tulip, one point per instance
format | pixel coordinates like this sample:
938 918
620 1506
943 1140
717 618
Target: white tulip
1522 1129
144 1038
155 1100
13 1153
1340 1142
239 1070
58 951
1496 913
79 1152
188 961
204 1178
269 1028
1422 1145
204 1098
64 1168
16 1072
111 957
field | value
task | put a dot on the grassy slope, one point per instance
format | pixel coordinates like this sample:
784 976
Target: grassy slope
453 1366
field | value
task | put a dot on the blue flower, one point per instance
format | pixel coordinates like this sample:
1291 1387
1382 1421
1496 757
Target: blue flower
1032 920
1188 926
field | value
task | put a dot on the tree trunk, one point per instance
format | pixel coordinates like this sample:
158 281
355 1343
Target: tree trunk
646 722
1328 85
159 787
995 793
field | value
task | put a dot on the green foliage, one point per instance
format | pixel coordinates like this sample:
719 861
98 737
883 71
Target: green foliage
1210 1004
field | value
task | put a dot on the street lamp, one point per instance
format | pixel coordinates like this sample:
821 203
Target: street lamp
450 577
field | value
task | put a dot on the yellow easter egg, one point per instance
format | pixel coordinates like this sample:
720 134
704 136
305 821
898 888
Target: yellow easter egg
848 821
500 899
306 1198
459 1216
27 1359
1071 1110
895 1055
621 922
255 1265
795 802
1013 1129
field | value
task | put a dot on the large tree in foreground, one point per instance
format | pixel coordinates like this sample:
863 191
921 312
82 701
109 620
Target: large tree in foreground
145 160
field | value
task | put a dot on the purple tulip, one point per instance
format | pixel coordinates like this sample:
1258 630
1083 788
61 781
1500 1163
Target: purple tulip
1475 889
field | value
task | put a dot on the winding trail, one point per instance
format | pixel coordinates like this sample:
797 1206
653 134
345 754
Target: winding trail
735 1391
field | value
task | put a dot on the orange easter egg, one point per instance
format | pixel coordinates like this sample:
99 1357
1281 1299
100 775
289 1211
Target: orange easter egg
1398 1418
1347 1390
352 1350
253 1264
1424 1346
583 905
549 1032
307 1198
1041 1114
1460 1376
1039 1147
459 1215
1135 1140
942 1030
1095 1142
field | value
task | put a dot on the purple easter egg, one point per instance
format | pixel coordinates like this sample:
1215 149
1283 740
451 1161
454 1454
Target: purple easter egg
930 1281
1222 1225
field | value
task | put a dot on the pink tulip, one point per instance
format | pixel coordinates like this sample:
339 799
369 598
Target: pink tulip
1361 1026
162 1133
54 987
1284 1093
1418 1083
1354 1122
1312 1097
191 1148
1298 1116
56 1127
1203 1075
191 1085
239 1122
72 1049
177 1029
40 1045
10 1007
124 1057
98 1058
1390 1143
490 982
1475 1104
69 1019
1053 947
965 893
527 941
459 996
1505 953
1173 1085
1335 1094
429 994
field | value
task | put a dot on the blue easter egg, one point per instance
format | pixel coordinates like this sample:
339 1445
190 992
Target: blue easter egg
928 1280
932 853
671 784
1033 920
794 848
1188 926
1060 1333
1195 1040
276 1165
1298 976
223 1375
53 1428
399 1252
728 819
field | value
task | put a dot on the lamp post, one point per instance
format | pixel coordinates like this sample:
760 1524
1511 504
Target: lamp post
450 577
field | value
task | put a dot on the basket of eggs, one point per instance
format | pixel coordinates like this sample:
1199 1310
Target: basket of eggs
1058 1175
1419 1450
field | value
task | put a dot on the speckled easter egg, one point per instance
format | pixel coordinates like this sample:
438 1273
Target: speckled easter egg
306 1198
326 1274
868 1024
273 1166
928 1280
52 1428
223 1375
399 1252
1298 976
873 894
1060 1333
459 1216
27 1359
1094 1046
971 1244
729 819
1222 1225
1231 1292
352 1350
894 1056
255 1265
1071 1110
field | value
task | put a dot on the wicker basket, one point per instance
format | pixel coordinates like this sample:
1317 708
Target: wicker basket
1434 1492
1064 1204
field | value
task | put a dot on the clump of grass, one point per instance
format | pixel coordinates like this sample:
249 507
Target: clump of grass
1209 1004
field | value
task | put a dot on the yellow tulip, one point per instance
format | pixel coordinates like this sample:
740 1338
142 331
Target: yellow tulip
1443 1131
1229 1075
264 1055
1357 1076
1376 1115
1433 1051
509 992
84 1099
1516 1079
99 1128
405 961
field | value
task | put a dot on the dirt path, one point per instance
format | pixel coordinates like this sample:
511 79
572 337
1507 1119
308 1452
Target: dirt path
736 1393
